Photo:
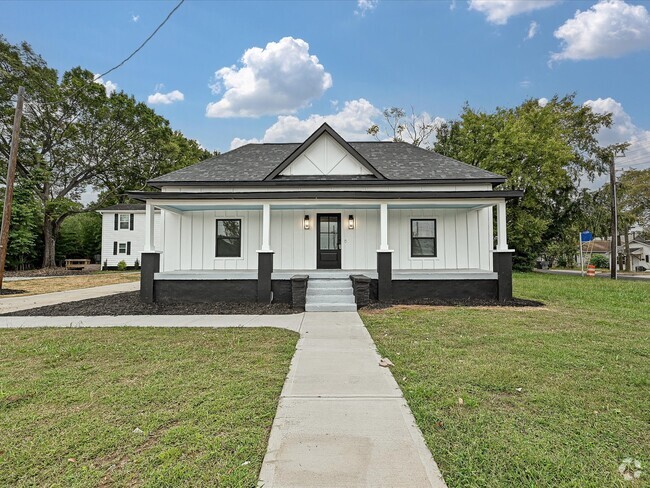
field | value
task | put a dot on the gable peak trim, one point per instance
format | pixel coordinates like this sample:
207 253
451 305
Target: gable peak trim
323 129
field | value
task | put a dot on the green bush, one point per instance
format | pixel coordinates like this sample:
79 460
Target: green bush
121 266
599 261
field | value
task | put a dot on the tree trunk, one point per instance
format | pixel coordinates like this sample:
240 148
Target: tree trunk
49 241
628 255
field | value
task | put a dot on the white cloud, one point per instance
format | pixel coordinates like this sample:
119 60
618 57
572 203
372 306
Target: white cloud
278 79
352 122
609 29
135 18
499 11
365 6
452 5
165 98
533 29
543 102
108 85
623 129
525 83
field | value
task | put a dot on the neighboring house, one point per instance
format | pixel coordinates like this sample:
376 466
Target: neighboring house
639 252
284 222
123 230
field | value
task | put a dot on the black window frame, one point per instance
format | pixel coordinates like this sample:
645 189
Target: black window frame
217 238
435 238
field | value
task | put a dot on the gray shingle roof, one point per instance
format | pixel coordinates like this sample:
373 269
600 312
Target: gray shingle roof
394 160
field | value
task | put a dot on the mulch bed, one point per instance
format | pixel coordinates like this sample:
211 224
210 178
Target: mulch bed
10 291
130 304
33 273
467 302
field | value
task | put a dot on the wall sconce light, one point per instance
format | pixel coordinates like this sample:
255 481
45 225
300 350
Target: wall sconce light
351 222
306 223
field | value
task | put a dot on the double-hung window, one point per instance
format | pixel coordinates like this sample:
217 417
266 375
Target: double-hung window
228 238
125 221
423 238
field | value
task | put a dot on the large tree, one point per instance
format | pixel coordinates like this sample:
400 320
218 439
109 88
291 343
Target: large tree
75 135
543 150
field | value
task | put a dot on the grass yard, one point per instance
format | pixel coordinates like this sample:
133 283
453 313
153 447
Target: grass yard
64 283
204 401
555 396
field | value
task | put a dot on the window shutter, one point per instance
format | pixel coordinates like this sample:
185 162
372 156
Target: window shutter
117 221
128 248
115 248
131 227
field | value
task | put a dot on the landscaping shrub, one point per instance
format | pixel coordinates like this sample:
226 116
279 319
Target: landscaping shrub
121 266
599 261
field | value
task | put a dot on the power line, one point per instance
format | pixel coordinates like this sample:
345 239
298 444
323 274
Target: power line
125 60
143 44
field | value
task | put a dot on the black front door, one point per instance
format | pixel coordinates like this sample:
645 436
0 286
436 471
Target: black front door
329 241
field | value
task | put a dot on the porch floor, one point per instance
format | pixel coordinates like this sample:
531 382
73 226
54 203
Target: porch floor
286 274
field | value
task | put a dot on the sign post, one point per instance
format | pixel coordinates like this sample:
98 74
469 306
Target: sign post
585 236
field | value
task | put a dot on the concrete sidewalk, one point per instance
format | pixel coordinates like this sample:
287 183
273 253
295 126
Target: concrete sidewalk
291 322
13 304
342 420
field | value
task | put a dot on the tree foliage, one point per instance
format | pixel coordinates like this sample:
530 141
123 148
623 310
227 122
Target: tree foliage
75 136
542 150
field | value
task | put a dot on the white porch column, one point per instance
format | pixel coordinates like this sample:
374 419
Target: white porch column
383 225
149 228
502 237
266 227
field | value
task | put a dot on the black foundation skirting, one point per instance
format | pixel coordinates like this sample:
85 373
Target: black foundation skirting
361 288
446 289
299 291
150 266
212 291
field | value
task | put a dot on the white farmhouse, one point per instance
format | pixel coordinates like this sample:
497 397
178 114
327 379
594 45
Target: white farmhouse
123 230
324 224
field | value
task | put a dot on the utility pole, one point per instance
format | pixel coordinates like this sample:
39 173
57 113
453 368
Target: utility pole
614 248
11 176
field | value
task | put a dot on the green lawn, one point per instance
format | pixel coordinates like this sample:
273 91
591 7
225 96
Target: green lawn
582 364
204 399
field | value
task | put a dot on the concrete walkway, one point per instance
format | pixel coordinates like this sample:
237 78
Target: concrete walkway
342 420
13 304
291 322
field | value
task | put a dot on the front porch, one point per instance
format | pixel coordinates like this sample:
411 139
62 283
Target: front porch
271 244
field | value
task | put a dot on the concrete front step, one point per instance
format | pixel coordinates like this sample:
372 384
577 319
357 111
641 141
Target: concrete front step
328 291
327 298
330 283
330 295
331 307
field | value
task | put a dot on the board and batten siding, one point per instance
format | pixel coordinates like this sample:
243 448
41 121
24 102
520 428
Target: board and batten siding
135 237
464 239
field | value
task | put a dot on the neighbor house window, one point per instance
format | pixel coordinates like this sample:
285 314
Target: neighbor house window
125 221
423 238
228 238
121 249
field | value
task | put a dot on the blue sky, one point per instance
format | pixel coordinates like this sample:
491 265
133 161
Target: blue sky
433 56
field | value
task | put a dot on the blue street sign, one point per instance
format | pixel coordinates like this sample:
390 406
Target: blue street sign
586 236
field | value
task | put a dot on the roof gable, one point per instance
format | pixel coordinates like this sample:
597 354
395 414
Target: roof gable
325 153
